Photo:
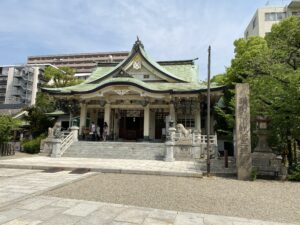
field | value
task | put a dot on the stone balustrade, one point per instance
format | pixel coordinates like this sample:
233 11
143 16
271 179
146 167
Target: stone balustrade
189 145
55 146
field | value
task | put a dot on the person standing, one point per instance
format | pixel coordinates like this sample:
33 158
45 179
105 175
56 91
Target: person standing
105 131
93 130
98 132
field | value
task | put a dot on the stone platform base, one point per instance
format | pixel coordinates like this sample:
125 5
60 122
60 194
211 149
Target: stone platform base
146 167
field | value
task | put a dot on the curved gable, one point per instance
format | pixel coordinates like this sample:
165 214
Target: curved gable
136 52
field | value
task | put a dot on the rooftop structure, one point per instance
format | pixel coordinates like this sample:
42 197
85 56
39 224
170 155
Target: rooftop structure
264 17
83 63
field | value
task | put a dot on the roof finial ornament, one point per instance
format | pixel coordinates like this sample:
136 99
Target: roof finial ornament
138 43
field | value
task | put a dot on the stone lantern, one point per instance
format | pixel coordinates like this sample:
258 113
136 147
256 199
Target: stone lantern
262 134
263 159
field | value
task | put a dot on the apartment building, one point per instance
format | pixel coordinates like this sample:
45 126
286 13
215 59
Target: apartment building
83 63
19 84
264 17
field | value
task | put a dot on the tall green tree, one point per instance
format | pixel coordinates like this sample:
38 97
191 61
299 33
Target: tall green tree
271 67
39 122
62 77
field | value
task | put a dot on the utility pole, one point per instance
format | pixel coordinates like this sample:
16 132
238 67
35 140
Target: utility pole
208 113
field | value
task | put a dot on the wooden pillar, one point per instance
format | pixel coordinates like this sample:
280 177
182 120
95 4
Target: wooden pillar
107 111
172 113
83 112
198 118
146 122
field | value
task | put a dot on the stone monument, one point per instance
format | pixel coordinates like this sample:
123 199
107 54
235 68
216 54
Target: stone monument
242 126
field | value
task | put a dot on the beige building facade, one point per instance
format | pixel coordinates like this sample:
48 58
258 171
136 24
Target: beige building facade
264 18
82 63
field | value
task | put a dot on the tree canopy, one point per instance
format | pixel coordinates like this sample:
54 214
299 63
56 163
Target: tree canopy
62 77
39 122
271 66
7 124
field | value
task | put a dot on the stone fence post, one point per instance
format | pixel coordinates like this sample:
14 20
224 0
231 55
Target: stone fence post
56 145
75 130
169 156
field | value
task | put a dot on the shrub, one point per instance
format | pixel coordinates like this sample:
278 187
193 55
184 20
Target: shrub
33 146
295 173
254 174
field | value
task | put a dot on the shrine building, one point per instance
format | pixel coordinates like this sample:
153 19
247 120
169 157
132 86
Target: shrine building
139 98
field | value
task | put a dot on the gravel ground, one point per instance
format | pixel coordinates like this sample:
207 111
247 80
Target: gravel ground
265 200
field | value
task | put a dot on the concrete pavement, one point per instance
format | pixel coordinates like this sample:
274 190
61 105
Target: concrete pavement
28 205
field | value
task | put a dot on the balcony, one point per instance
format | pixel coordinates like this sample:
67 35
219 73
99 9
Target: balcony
17 93
17 83
18 75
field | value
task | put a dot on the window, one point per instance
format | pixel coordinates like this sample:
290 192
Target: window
146 76
188 122
296 13
275 16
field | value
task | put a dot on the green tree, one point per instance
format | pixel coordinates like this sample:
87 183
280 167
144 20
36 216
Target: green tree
39 122
270 66
62 77
219 79
7 124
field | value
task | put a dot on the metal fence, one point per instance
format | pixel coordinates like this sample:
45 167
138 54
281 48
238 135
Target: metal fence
7 149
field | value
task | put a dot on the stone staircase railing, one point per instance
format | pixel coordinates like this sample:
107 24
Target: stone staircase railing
55 147
66 142
196 138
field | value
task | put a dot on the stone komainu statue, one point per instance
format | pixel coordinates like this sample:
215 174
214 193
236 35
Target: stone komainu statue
57 131
50 132
180 128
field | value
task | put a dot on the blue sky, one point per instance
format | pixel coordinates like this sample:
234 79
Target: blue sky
169 29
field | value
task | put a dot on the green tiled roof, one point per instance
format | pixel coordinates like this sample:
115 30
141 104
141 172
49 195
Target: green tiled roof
187 72
154 87
99 73
184 77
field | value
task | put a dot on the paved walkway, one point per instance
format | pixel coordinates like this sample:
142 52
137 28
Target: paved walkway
44 210
151 167
18 184
30 207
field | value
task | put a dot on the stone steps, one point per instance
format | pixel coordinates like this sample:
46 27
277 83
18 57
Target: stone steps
116 150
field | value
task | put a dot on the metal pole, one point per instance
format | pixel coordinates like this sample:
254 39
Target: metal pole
208 113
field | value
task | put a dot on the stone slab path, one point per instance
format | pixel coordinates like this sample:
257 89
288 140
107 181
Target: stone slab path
44 210
149 167
18 184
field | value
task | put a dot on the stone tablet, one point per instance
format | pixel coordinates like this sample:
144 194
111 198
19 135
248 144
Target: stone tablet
243 138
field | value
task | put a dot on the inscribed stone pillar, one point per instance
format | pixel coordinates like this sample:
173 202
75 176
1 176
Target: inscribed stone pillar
82 117
198 118
146 122
172 112
107 111
243 138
